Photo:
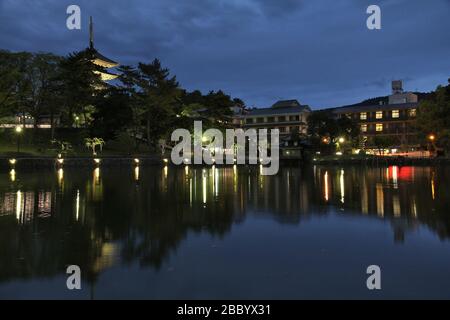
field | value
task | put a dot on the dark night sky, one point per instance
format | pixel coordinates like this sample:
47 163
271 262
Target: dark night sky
319 52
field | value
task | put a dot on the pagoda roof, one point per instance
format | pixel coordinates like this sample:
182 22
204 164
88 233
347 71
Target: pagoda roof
105 76
101 60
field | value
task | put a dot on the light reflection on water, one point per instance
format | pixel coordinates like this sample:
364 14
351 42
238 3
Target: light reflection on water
106 218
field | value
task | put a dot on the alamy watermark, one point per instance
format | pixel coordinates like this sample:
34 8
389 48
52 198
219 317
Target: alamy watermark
73 21
373 22
208 147
374 280
73 281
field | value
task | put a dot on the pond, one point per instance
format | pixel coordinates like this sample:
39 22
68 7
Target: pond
225 233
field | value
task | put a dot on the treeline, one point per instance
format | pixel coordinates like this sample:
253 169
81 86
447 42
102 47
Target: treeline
433 119
145 102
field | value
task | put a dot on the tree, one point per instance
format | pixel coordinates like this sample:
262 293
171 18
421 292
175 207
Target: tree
93 143
324 128
433 117
129 78
382 143
112 115
22 86
218 110
156 93
10 77
79 86
28 84
41 76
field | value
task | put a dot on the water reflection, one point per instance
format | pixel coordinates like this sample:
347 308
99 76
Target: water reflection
100 219
136 173
12 175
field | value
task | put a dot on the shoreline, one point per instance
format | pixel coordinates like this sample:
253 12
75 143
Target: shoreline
384 161
30 162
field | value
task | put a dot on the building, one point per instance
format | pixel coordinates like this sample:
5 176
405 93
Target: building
289 117
393 120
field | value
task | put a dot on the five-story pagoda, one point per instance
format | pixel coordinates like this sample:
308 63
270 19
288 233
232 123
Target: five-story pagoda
98 59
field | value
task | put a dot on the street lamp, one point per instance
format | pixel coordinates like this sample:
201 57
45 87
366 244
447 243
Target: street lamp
341 140
431 137
18 132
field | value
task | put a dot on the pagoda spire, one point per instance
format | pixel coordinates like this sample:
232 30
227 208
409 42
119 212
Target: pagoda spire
98 59
91 33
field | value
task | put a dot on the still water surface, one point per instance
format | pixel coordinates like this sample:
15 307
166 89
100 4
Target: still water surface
231 233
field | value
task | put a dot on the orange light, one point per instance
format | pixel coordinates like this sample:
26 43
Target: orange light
431 137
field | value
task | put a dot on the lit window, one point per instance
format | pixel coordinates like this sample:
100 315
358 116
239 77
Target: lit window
379 115
412 113
363 115
395 113
364 128
379 127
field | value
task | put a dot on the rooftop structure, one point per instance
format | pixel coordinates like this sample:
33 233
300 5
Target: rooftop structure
99 59
286 115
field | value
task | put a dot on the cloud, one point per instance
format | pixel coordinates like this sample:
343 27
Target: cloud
319 52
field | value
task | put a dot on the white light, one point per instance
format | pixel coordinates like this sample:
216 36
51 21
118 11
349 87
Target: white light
97 160
12 175
77 205
136 161
204 187
136 173
19 205
12 161
339 153
60 175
